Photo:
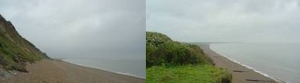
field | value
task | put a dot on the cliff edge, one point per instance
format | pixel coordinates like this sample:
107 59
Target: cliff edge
16 51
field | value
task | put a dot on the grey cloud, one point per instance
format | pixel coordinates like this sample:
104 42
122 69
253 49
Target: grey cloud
225 20
64 28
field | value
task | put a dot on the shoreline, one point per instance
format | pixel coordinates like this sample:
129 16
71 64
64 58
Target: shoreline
121 73
241 73
247 66
59 71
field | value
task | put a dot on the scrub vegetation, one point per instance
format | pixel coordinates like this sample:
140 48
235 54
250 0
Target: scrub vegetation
169 61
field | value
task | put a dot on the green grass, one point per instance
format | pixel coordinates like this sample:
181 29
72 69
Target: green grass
200 73
169 61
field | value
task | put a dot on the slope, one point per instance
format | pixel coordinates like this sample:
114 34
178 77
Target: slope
16 51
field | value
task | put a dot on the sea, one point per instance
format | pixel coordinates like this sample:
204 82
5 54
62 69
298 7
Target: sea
279 61
131 67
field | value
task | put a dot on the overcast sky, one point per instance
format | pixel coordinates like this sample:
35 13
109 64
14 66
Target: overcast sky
76 28
225 20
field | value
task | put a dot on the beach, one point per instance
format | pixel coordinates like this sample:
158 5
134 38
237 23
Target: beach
58 71
240 74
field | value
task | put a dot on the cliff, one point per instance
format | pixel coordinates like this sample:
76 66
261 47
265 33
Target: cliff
16 51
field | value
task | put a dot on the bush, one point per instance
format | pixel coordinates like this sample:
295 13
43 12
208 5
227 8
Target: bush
161 50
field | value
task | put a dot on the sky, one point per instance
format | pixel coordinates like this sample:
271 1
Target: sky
225 20
110 29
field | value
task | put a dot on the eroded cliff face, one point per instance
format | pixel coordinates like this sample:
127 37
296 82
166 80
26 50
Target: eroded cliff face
16 51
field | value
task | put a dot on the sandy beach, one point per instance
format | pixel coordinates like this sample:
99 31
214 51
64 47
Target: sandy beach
56 71
240 74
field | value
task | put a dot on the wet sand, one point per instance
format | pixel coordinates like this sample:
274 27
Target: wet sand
56 71
240 74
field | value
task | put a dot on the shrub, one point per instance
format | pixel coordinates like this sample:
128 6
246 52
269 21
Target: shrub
161 50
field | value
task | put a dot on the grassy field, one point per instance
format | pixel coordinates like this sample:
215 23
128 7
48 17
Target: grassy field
186 74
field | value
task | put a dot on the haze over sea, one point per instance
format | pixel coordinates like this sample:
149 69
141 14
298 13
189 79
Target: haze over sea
276 60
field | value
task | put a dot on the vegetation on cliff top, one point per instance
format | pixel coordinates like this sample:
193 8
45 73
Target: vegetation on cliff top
161 50
169 61
16 51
